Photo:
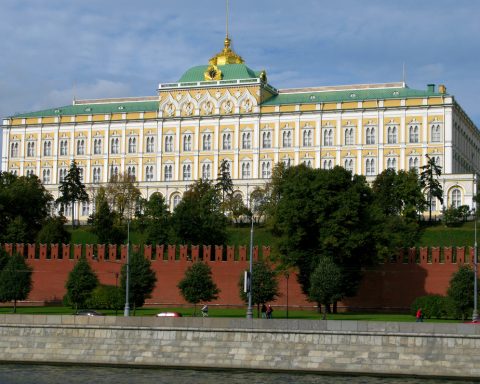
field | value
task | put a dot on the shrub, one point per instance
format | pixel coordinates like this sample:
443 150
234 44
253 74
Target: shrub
452 217
106 297
432 306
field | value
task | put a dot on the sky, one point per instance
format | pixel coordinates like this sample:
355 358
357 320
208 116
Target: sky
54 50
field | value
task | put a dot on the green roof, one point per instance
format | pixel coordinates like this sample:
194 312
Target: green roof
348 95
91 109
229 72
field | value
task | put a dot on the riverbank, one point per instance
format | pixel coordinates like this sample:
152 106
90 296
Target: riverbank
347 347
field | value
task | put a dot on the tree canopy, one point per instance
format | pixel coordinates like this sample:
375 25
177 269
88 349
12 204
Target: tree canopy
80 284
15 280
460 291
325 284
156 218
429 181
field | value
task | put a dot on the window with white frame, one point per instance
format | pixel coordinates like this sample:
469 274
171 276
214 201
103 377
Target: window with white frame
413 163
349 165
392 134
47 148
30 172
206 171
31 149
287 161
307 137
435 133
132 145
187 172
228 167
85 208
456 198
349 136
370 135
14 150
246 140
131 172
67 210
413 133
207 142
246 174
113 171
392 163
115 146
80 174
266 170
15 172
97 174
149 173
63 147
370 167
287 139
227 141
168 172
80 147
176 201
97 146
46 176
169 143
267 139
187 142
327 164
328 136
150 144
434 204
307 163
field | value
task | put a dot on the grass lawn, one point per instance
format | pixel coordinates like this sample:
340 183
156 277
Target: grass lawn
230 312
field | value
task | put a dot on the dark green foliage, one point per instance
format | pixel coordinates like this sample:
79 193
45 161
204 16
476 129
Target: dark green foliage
264 284
430 183
80 284
197 285
54 232
198 219
156 219
15 280
24 205
435 306
326 284
452 217
72 189
106 297
460 291
224 183
141 282
105 225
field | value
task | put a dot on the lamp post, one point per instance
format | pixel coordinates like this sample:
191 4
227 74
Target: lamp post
126 311
475 266
250 285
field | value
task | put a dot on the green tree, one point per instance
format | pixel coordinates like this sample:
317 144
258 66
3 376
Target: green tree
460 291
326 284
264 285
429 181
156 220
197 285
24 205
198 219
105 225
72 189
106 297
224 183
142 280
15 280
236 208
53 231
122 194
80 284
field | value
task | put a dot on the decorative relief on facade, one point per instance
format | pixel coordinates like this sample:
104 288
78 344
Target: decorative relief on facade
170 109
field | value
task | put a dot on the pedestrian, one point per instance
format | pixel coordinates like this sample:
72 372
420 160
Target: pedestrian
205 310
419 315
264 311
269 311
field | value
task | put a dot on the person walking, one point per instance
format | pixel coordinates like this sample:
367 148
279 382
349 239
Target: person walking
419 315
269 311
264 311
205 310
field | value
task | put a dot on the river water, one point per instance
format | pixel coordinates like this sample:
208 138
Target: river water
45 374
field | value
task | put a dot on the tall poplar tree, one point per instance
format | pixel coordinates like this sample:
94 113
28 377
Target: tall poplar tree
429 181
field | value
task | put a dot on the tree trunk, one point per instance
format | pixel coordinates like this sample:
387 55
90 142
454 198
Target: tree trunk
15 306
324 317
73 218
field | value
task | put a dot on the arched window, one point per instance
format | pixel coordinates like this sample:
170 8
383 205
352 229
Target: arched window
413 133
246 140
207 142
287 139
63 147
97 146
307 137
206 175
81 147
287 162
168 172
456 198
115 146
413 163
187 172
266 139
266 170
246 170
370 135
30 149
14 150
392 135
349 165
435 134
327 164
176 201
392 163
169 143
97 174
46 176
349 136
227 141
187 142
132 145
149 173
47 148
370 167
328 137
131 172
150 144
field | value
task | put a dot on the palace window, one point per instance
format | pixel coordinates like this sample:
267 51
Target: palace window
246 140
266 170
187 172
435 134
206 171
149 173
114 172
267 139
307 137
328 137
370 167
187 142
169 143
97 174
307 163
80 174
85 208
63 147
46 176
62 172
150 144
81 147
97 146
176 201
392 163
327 164
246 170
30 172
370 135
413 163
47 148
456 198
287 139
349 136
227 141
392 135
287 162
14 150
413 134
132 144
168 172
30 149
131 172
349 165
115 146
207 142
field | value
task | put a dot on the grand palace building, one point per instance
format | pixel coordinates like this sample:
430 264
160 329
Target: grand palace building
227 111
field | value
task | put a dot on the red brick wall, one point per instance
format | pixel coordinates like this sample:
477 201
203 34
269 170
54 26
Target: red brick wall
394 284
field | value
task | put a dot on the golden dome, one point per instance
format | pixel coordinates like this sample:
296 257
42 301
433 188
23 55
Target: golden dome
227 56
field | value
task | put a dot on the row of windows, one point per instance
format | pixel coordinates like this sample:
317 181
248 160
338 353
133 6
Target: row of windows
246 169
246 141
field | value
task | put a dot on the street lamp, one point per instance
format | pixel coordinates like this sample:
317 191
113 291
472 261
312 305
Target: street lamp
250 285
126 311
475 266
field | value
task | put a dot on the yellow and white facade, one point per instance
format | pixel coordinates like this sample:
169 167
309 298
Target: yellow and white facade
225 110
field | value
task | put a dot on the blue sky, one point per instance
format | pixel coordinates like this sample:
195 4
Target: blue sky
53 49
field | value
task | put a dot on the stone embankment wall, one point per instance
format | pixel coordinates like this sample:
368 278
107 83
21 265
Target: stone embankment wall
429 349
